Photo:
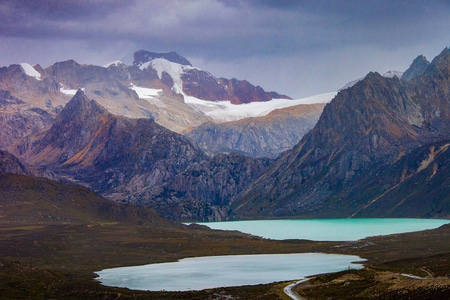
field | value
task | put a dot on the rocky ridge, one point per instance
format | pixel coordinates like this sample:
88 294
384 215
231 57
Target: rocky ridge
266 136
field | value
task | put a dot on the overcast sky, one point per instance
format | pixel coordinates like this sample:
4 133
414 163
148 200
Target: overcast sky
299 48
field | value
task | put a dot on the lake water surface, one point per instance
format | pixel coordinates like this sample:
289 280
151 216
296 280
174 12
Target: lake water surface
218 271
235 270
327 229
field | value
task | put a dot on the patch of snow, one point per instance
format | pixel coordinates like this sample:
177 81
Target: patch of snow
69 92
114 63
392 73
224 111
144 66
30 71
145 93
151 95
174 70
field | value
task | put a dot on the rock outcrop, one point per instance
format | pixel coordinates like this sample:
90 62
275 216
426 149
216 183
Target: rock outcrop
205 190
11 164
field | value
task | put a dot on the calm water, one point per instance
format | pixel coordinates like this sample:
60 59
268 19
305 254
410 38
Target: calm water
327 229
234 270
217 271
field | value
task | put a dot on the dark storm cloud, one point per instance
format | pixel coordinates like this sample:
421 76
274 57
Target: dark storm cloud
52 18
244 39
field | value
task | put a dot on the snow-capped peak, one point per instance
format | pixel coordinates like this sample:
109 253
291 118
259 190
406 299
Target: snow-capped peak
30 71
174 70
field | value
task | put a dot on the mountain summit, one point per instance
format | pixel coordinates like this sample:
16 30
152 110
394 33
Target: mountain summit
143 56
417 67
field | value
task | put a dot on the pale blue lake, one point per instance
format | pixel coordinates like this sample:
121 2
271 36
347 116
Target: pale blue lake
327 229
218 271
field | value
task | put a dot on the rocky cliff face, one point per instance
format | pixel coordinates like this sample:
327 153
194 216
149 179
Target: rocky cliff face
365 130
205 190
242 91
266 136
18 120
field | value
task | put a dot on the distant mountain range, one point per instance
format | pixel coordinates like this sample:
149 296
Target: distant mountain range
164 87
380 147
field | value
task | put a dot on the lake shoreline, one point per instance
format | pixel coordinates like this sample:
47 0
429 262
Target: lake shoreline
195 273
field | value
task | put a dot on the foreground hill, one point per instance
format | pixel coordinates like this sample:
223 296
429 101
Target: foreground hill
380 148
31 200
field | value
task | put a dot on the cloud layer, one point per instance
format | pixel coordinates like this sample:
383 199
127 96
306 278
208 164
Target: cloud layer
295 47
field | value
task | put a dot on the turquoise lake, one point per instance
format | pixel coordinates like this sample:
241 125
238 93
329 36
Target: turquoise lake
327 229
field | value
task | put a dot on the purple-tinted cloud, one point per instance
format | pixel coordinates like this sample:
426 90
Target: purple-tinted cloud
288 46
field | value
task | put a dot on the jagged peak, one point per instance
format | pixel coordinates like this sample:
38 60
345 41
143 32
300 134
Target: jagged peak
370 77
442 58
440 65
143 56
69 62
373 74
418 66
80 103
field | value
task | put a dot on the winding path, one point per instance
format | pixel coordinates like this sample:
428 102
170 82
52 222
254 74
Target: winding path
293 295
290 293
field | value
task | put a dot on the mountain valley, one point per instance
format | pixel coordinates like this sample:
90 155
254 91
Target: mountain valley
98 166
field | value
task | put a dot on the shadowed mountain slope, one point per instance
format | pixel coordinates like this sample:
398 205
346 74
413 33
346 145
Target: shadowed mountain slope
110 154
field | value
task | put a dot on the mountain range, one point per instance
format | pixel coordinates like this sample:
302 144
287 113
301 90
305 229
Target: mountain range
164 87
379 148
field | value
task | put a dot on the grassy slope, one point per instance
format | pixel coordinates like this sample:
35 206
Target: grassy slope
53 237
